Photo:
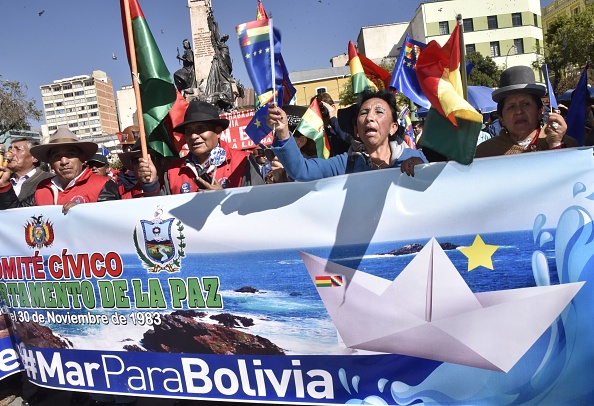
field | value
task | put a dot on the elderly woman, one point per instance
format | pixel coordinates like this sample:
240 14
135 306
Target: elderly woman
376 125
521 112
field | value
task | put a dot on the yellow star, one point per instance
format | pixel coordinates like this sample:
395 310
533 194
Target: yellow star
260 51
255 53
267 49
479 254
247 56
257 123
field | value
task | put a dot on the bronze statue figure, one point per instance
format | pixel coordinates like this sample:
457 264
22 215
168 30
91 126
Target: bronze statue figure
185 78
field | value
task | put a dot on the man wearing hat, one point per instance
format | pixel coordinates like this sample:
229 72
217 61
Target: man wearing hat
521 111
72 184
139 185
207 166
98 164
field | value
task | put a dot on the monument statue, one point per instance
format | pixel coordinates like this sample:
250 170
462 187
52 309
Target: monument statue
185 78
213 80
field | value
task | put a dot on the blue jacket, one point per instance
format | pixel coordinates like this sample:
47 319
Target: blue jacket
304 170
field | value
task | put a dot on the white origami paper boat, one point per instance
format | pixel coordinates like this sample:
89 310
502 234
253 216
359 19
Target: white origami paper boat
429 311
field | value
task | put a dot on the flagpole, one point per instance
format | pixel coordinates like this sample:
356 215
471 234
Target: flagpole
272 70
462 57
134 73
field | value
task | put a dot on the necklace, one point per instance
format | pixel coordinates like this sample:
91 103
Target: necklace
378 166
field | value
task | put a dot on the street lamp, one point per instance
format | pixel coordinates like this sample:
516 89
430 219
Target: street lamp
510 48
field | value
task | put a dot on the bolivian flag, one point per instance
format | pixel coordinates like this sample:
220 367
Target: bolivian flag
452 125
328 281
358 79
312 126
163 107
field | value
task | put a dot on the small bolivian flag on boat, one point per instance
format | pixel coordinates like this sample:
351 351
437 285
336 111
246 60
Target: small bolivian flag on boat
329 281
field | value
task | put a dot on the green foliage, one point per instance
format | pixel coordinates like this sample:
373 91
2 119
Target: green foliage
569 45
485 71
15 110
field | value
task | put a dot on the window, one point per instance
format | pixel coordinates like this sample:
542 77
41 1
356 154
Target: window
66 87
56 88
535 20
519 46
576 11
444 28
82 115
90 91
90 99
70 110
59 104
516 19
48 105
67 94
492 22
91 106
321 90
468 25
495 48
51 127
72 125
537 46
88 83
93 114
79 93
45 90
470 48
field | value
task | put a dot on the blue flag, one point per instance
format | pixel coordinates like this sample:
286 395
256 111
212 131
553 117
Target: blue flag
576 116
257 128
404 78
261 49
552 98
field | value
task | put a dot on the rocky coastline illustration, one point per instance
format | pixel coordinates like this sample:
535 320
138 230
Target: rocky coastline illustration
414 248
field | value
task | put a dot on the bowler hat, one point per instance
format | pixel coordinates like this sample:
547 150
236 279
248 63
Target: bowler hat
64 137
126 157
200 111
517 79
99 158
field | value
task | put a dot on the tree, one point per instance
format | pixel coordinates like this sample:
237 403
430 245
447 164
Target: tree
15 110
485 71
569 45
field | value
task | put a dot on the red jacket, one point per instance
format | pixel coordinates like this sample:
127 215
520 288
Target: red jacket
181 179
86 189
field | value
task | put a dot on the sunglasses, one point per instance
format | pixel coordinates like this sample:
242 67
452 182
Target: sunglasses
95 165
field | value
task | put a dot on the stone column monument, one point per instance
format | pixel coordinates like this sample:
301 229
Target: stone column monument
201 40
212 61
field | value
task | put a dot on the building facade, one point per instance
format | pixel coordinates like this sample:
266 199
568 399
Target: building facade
381 41
126 107
510 32
309 83
84 104
560 8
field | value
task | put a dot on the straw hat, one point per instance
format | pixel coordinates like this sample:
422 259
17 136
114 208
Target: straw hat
64 137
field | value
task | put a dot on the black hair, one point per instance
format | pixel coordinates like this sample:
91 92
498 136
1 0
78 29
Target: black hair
537 99
383 94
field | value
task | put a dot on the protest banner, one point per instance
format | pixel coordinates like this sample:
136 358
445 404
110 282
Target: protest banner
460 285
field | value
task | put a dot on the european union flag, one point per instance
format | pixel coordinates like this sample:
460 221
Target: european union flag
404 78
257 128
260 46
